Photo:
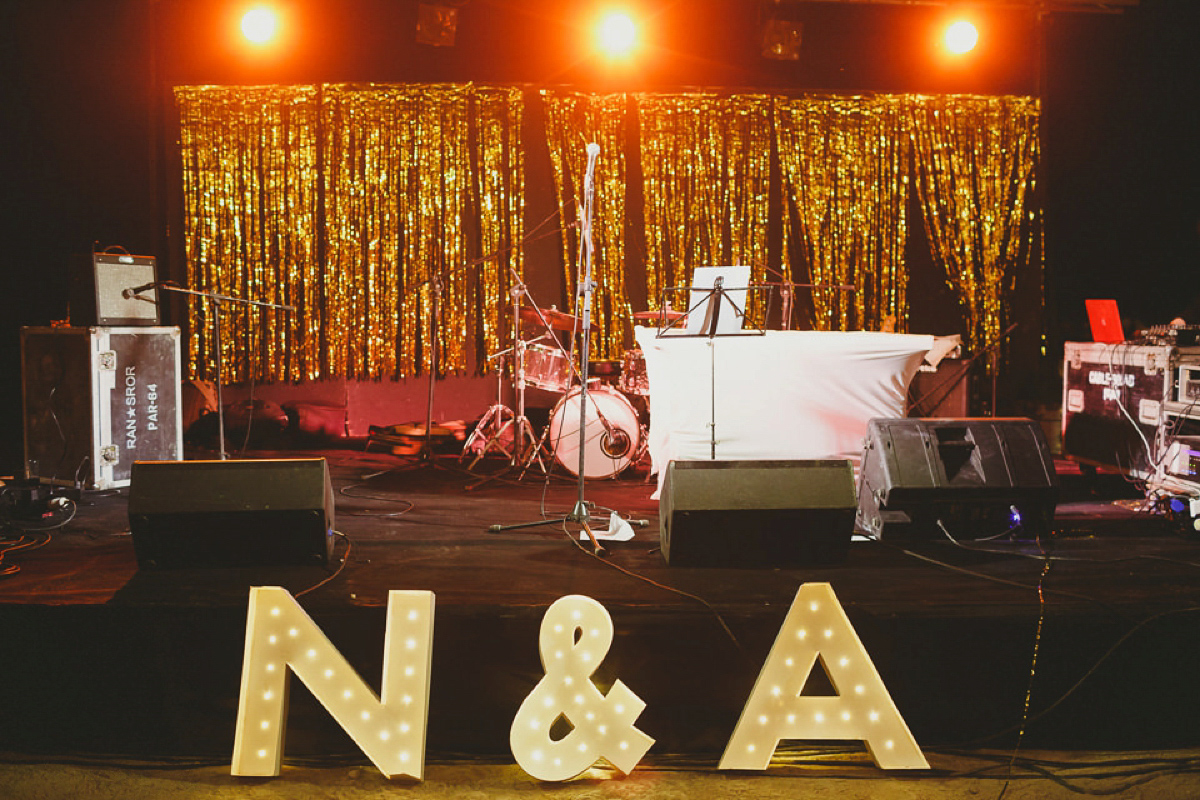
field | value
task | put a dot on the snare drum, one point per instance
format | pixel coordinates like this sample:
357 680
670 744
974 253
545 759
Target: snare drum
633 374
611 434
547 368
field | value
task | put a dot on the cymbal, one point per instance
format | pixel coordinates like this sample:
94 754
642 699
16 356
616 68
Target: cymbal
554 318
658 316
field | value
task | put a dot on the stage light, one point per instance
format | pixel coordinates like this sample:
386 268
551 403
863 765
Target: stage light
961 37
436 24
616 34
260 25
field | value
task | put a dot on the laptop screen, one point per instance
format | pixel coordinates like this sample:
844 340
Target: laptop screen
1105 320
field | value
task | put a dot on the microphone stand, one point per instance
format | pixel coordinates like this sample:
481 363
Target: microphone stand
580 513
437 282
217 300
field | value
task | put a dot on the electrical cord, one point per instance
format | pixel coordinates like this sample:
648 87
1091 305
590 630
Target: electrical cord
345 492
574 539
1044 556
336 572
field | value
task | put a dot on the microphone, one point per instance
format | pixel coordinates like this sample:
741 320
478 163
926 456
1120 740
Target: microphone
615 443
593 151
129 293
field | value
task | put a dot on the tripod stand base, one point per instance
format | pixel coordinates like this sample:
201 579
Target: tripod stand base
488 435
580 515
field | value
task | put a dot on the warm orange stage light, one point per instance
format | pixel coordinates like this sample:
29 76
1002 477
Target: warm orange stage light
616 34
961 37
260 25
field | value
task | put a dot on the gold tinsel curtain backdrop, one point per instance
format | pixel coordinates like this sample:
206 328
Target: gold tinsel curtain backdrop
347 202
706 167
844 167
976 160
574 120
358 206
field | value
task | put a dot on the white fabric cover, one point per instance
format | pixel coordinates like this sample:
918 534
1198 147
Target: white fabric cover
781 395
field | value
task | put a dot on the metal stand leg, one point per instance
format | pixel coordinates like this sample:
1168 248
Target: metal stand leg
535 453
490 434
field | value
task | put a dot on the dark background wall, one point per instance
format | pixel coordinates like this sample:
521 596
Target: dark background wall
86 132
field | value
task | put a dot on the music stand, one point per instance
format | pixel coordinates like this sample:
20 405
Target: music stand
714 299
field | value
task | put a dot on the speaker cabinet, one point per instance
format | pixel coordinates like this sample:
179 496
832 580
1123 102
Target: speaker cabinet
941 391
231 513
756 513
102 290
976 478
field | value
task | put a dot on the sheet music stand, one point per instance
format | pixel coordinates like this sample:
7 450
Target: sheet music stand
718 303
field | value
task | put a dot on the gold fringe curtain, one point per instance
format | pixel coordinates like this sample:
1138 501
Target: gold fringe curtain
976 160
706 165
250 227
396 181
501 214
573 120
844 167
346 202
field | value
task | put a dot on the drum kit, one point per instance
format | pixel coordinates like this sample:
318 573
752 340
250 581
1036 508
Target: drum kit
615 435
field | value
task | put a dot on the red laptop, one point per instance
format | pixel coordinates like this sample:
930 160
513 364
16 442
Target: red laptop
1105 320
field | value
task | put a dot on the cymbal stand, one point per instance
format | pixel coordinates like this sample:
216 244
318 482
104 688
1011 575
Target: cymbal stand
522 429
504 418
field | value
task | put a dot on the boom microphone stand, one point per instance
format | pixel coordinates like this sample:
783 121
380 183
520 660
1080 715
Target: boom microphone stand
217 300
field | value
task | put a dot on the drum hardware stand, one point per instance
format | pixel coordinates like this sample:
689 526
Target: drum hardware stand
426 455
517 422
581 513
493 423
216 300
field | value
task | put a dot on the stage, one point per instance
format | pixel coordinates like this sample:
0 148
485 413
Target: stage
100 657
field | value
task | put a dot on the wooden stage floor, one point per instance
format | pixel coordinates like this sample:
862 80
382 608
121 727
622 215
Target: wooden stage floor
99 656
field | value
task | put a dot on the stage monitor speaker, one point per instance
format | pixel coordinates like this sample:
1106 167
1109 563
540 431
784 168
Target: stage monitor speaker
275 512
756 513
970 478
103 290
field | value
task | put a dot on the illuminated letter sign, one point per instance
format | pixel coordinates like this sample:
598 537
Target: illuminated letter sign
816 627
281 636
575 636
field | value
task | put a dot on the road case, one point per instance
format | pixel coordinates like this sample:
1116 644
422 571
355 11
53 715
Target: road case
97 399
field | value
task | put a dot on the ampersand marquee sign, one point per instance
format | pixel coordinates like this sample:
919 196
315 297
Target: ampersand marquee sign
576 634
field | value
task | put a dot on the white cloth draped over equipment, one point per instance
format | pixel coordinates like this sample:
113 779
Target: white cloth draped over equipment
779 395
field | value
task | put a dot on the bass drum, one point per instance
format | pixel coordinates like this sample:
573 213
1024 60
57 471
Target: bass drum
607 448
